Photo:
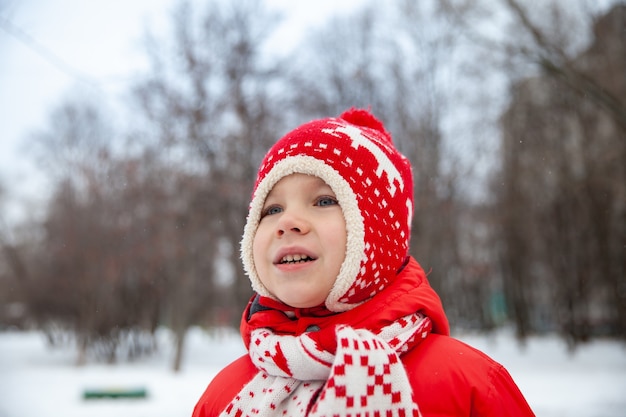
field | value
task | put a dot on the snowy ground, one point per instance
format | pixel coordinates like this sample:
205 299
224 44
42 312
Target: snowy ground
36 381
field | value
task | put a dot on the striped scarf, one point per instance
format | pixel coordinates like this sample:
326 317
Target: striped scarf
363 377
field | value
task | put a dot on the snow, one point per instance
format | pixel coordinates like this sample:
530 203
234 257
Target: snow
38 381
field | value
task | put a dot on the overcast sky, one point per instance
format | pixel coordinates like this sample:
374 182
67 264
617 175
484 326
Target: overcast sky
49 47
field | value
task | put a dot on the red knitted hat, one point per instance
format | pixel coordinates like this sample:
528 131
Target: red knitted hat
373 183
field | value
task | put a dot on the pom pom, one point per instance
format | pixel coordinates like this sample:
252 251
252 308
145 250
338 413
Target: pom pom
363 118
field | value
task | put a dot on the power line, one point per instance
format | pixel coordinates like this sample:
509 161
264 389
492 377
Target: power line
45 53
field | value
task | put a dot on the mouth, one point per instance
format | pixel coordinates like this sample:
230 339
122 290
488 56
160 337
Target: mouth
295 259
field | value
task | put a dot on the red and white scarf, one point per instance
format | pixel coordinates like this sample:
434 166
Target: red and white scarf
363 377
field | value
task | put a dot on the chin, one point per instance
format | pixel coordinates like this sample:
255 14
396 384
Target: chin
296 304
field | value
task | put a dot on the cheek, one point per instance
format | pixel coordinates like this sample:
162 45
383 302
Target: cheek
260 248
337 238
258 245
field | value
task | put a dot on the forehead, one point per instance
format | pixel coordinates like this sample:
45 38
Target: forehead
300 182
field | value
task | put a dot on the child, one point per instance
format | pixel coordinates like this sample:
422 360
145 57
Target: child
344 322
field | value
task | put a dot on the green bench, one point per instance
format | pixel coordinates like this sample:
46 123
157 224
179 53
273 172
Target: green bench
114 392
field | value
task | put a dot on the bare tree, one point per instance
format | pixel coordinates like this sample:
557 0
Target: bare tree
78 278
561 200
13 271
208 108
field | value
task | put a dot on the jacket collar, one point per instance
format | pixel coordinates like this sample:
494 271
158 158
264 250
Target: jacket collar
409 292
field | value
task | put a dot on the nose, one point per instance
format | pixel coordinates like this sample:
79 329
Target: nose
292 222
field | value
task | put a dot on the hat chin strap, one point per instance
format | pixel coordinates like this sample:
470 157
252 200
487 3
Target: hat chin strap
355 240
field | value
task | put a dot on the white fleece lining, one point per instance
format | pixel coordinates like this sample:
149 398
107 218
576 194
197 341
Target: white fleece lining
355 241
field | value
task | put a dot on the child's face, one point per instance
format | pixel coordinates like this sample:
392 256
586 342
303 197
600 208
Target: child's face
300 243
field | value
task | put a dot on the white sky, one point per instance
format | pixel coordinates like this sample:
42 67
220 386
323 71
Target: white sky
48 46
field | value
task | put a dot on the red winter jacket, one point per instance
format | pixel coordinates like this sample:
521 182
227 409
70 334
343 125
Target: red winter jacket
449 378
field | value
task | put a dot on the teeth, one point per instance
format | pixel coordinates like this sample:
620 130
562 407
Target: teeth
295 258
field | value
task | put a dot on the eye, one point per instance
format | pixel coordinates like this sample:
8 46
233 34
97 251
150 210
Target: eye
324 201
271 210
